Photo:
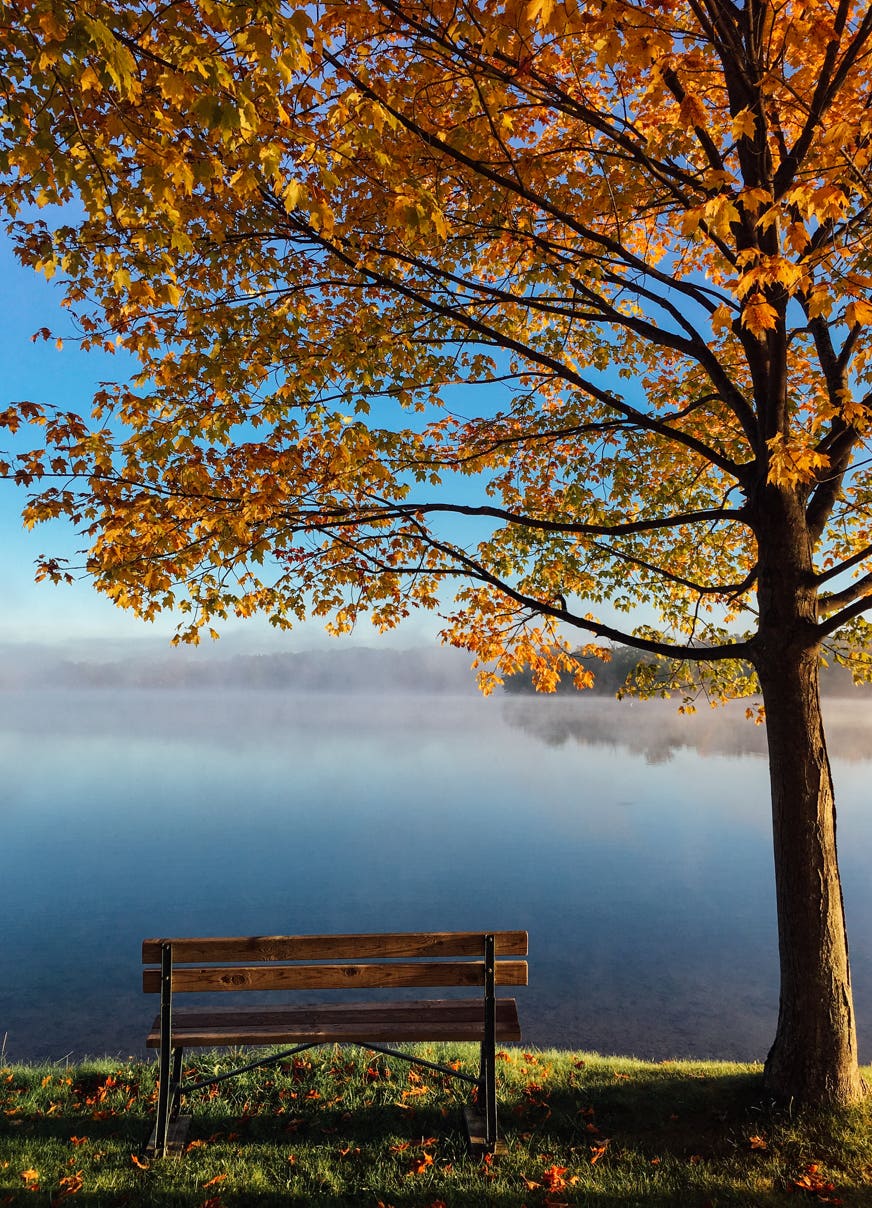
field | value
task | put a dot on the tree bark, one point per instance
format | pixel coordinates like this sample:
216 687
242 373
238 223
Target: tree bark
814 1056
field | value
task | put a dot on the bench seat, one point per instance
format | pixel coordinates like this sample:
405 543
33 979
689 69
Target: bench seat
427 1019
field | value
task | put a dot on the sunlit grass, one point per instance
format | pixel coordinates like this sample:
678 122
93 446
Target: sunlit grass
343 1127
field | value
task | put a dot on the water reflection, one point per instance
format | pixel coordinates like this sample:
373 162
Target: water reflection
656 730
633 844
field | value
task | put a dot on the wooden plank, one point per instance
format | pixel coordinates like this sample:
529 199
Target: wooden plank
335 947
407 1010
406 1021
207 978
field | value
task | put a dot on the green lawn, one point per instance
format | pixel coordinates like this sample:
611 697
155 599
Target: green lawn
341 1127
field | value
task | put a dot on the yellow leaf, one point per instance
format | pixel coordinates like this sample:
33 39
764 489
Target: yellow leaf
820 302
693 111
294 195
859 313
722 319
690 221
791 463
796 237
743 124
540 10
759 316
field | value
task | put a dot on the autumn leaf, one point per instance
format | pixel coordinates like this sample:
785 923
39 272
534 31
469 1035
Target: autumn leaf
69 1185
419 1165
743 124
757 1142
813 1181
859 312
137 1161
758 315
218 1178
553 1178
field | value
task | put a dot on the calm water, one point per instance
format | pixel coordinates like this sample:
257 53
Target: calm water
632 844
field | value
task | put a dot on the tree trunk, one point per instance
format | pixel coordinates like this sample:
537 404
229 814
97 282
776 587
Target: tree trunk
814 1056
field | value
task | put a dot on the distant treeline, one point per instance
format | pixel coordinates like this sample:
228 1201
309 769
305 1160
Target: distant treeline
610 677
343 670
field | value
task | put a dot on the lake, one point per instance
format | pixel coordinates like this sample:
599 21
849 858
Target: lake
632 844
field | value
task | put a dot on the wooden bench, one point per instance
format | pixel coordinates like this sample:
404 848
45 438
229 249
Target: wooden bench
308 962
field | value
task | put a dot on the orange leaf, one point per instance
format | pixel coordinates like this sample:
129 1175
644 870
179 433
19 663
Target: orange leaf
219 1178
553 1177
71 1185
758 1142
597 1151
421 1164
138 1162
758 316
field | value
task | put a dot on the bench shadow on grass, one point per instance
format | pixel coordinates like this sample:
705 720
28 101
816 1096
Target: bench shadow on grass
692 1130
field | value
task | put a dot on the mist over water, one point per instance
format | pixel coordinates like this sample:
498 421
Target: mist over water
633 844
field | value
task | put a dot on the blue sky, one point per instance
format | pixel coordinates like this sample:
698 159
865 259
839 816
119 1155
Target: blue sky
72 615
42 373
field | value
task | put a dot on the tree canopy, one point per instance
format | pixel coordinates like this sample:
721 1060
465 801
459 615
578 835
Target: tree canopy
507 308
319 229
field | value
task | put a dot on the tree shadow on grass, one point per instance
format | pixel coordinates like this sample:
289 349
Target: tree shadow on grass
605 1141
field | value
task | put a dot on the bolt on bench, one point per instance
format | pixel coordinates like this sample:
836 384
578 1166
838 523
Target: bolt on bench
307 962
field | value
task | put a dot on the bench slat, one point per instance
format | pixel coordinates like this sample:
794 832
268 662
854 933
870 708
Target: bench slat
333 947
330 977
431 1019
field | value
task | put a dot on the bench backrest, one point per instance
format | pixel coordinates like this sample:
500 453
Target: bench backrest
309 962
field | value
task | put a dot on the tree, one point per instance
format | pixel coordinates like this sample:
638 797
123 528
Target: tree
590 278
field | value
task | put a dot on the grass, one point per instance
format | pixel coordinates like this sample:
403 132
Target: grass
343 1127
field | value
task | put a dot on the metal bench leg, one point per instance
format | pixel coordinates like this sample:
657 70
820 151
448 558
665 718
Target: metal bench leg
488 1050
164 1098
176 1083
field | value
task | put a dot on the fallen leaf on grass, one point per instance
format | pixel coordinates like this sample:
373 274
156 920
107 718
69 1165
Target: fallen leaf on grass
30 1175
421 1164
597 1151
78 1140
138 1162
758 1142
553 1178
812 1180
219 1178
71 1185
